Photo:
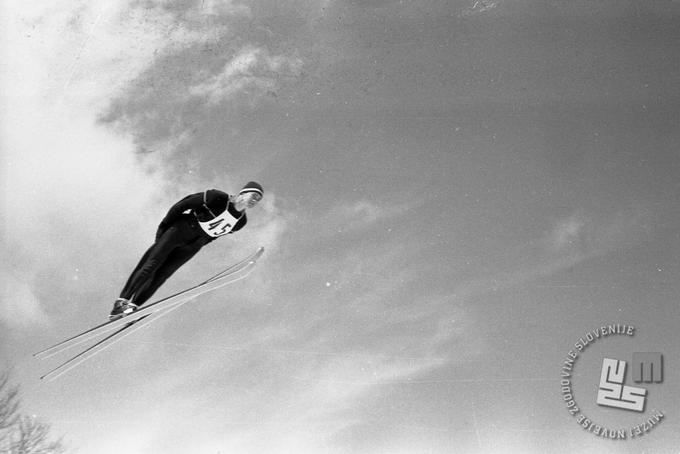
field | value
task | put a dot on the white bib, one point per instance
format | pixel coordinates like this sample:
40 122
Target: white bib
219 225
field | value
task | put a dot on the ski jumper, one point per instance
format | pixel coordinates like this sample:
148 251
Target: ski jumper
190 224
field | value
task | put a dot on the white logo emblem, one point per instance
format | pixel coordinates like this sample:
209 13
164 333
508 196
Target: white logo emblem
613 392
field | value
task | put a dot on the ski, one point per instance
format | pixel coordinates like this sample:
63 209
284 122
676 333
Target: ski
89 352
109 340
231 274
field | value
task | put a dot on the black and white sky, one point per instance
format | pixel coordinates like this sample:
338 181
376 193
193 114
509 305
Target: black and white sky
456 191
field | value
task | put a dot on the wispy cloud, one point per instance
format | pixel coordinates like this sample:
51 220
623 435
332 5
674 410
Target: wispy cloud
194 12
252 70
20 306
349 217
592 234
73 185
572 239
567 232
364 212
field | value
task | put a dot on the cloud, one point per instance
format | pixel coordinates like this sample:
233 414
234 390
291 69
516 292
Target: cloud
571 240
364 211
20 306
299 403
183 104
478 7
567 232
591 234
67 183
251 70
350 217
194 12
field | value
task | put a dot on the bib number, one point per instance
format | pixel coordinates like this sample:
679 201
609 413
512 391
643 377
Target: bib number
220 225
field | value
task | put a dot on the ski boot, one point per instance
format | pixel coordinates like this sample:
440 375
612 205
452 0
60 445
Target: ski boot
121 308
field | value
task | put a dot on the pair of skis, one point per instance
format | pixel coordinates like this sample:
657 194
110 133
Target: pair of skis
125 326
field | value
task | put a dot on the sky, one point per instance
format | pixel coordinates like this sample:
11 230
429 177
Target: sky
455 193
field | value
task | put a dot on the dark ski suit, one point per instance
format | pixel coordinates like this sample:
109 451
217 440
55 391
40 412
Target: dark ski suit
179 237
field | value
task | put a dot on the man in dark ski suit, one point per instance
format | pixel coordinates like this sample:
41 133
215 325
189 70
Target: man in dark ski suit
191 223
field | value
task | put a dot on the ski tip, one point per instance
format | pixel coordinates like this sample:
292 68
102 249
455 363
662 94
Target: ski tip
253 258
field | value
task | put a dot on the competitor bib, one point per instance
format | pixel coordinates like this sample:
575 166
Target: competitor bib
219 225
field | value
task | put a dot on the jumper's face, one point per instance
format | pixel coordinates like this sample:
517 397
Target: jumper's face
247 200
